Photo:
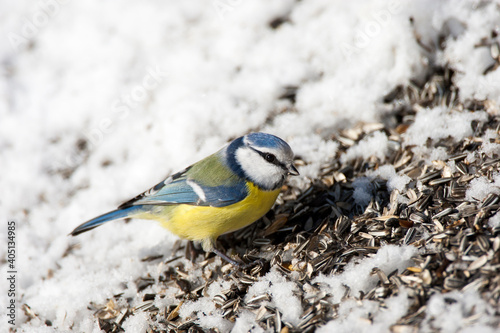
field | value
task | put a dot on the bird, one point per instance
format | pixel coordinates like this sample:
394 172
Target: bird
219 194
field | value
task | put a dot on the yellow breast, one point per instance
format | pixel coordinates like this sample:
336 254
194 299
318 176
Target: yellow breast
207 223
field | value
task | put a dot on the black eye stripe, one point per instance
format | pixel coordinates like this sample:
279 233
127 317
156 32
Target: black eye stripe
275 161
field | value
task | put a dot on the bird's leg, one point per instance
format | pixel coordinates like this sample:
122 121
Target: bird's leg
191 251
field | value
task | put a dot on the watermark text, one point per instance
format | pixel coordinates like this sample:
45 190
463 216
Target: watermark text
11 272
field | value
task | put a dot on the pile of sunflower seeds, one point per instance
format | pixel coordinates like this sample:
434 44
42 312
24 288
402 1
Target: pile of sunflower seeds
326 229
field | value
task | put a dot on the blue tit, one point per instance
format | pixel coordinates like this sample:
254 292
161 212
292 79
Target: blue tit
223 192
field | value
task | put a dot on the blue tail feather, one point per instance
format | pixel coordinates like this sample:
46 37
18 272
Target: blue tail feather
110 216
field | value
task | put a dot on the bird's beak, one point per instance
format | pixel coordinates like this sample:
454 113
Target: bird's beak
292 170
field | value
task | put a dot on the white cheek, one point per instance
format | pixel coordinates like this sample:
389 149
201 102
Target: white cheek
259 171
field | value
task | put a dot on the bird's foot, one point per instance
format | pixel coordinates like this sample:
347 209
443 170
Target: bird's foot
240 265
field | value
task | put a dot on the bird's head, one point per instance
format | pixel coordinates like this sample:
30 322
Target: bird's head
262 158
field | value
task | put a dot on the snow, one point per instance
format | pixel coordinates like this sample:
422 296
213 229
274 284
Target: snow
205 309
375 143
490 144
101 100
494 221
394 180
363 189
439 123
136 323
357 275
282 294
455 311
482 186
246 323
363 186
355 316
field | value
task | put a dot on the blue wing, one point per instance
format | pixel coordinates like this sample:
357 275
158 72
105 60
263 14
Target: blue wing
182 189
207 183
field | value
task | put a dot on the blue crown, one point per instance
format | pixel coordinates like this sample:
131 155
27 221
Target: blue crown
267 140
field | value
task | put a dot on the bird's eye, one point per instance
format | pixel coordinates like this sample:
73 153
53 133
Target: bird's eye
270 158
